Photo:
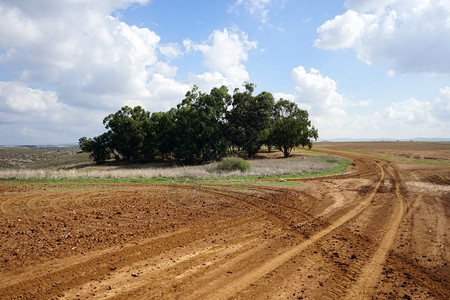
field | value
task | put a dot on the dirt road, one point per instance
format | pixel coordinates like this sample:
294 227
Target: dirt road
378 231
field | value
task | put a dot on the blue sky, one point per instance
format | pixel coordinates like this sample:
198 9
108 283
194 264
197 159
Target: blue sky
362 68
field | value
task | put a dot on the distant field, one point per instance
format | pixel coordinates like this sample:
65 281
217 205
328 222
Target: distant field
22 157
438 151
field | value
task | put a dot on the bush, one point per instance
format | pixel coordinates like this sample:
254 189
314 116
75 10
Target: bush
229 164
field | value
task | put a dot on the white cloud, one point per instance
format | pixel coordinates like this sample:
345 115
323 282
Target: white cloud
280 95
318 93
411 111
327 108
415 118
362 103
35 116
344 31
208 80
90 63
170 91
319 96
224 54
257 8
367 5
442 107
412 35
412 117
82 52
170 50
17 97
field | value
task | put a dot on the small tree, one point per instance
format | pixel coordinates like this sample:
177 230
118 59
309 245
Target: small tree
99 147
291 127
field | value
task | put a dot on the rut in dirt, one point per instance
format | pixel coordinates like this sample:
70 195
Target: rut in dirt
264 242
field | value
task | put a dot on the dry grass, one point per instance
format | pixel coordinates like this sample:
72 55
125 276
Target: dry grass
261 167
23 157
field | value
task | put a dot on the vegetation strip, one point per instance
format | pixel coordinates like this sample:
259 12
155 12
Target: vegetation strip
341 168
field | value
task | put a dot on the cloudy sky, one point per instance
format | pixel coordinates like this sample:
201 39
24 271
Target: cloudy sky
362 68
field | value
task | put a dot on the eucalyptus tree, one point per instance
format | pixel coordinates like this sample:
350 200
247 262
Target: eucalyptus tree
249 118
127 130
291 127
199 120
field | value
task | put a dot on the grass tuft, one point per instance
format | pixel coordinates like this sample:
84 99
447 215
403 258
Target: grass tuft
230 164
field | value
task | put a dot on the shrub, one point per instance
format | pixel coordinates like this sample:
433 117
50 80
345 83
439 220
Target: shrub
229 164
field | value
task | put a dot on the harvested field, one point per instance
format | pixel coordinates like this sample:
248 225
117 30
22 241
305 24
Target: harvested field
380 230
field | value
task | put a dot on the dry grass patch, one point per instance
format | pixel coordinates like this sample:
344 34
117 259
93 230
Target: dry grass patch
261 167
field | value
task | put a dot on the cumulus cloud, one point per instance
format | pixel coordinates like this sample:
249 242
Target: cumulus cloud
82 52
411 35
168 90
328 110
414 111
224 54
418 118
17 97
36 116
411 111
89 61
318 93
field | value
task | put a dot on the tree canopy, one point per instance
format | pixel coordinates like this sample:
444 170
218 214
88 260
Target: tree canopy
203 127
290 127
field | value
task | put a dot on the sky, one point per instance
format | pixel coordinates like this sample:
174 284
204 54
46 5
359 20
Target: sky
364 69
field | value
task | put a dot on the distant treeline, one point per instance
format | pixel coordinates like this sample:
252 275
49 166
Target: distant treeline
203 127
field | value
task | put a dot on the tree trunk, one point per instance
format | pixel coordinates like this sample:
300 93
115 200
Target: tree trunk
286 151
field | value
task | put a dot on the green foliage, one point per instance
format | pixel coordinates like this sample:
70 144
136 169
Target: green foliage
249 118
99 147
199 119
162 128
229 164
203 127
127 128
290 127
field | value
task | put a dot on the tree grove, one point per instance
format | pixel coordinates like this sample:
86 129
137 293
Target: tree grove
203 127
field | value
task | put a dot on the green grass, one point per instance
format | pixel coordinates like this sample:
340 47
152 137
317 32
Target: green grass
429 161
307 151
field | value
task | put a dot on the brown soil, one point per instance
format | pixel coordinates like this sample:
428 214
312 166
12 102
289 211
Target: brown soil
378 231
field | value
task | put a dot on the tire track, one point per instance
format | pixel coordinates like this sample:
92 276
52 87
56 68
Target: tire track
194 257
56 276
260 203
221 271
229 289
371 273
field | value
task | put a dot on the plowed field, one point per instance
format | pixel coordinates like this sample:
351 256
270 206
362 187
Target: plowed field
380 231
